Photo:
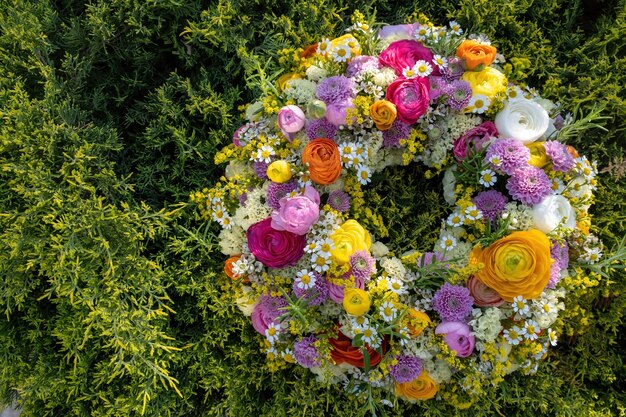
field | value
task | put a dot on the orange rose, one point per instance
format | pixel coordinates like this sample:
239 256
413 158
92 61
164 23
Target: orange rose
343 351
476 54
384 113
518 264
228 267
418 321
324 161
421 388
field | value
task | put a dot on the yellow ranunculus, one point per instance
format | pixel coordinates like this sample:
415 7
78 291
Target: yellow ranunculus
421 388
349 238
384 113
418 321
356 302
538 156
285 78
279 171
353 44
487 82
518 264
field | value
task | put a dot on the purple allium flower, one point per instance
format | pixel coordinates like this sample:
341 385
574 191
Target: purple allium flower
305 353
315 295
363 265
336 89
276 191
491 203
407 369
321 128
260 169
452 302
560 254
362 63
562 160
393 135
529 185
438 87
459 94
339 200
511 154
267 311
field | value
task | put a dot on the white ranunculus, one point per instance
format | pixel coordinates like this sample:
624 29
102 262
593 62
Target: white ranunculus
522 119
551 211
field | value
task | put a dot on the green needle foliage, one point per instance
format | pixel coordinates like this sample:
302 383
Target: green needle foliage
112 299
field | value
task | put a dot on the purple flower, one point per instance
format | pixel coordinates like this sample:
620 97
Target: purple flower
560 254
339 200
491 203
362 63
562 160
407 369
529 185
336 89
458 337
291 120
454 70
336 113
321 128
507 155
459 94
315 295
298 213
452 302
274 248
393 135
276 191
474 140
305 353
438 88
362 264
266 312
260 169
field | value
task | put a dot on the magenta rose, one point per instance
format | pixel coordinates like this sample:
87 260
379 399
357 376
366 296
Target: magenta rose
274 248
404 54
475 139
410 96
458 337
297 214
482 294
291 120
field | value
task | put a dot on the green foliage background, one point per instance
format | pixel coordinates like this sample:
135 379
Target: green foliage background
111 295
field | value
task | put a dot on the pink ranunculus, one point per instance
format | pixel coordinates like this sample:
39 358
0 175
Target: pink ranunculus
335 292
291 120
266 312
458 337
297 214
411 97
336 112
404 54
482 294
274 248
475 139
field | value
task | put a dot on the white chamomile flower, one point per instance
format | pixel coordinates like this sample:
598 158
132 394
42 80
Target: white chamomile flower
325 246
272 332
448 242
422 32
320 262
305 279
473 213
552 337
312 246
455 219
396 286
520 306
272 353
531 330
422 68
287 355
455 28
440 61
545 306
387 311
513 335
514 92
495 161
264 154
341 53
363 174
592 255
323 48
479 103
409 72
359 324
370 336
487 178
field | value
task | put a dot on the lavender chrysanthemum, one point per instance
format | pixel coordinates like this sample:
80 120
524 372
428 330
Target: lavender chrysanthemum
276 191
562 160
459 94
407 369
315 295
362 264
560 254
529 185
339 200
393 135
453 302
260 169
362 63
511 154
453 71
438 88
305 353
491 203
336 89
321 128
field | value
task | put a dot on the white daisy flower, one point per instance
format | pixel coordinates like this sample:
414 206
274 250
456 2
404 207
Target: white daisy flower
409 72
513 335
320 263
520 306
305 279
341 53
359 324
455 28
422 33
396 286
325 246
422 68
591 255
272 332
495 161
447 242
348 153
387 311
531 330
363 174
473 213
455 219
264 154
312 247
479 103
552 337
487 178
514 92
272 353
370 336
440 61
323 48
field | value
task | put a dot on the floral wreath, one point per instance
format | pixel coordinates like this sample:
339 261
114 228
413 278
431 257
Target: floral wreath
324 293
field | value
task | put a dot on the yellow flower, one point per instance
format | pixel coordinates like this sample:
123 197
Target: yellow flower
418 322
421 388
538 156
356 302
487 82
384 113
285 78
349 238
518 264
279 171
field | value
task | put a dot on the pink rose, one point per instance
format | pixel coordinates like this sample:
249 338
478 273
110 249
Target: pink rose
474 140
404 54
274 248
458 337
291 120
411 97
482 294
297 214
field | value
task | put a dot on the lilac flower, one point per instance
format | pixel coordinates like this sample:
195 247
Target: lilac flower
393 135
321 128
529 185
305 353
336 89
407 369
562 160
491 203
438 87
276 191
452 302
507 155
267 311
454 70
363 264
339 200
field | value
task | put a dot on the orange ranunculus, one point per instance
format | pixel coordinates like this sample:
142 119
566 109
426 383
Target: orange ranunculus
421 388
518 264
476 54
324 161
309 51
418 321
572 151
343 351
228 267
384 113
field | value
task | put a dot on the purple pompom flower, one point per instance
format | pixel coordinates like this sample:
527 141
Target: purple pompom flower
529 185
393 135
560 254
406 369
363 265
452 302
562 160
321 128
267 311
336 89
305 352
362 63
316 294
276 191
507 155
339 200
491 203
260 169
459 94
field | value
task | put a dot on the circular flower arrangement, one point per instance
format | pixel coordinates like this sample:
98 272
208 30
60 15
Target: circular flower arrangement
320 289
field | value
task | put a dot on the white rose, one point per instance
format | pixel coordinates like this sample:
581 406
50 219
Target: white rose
551 211
523 120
